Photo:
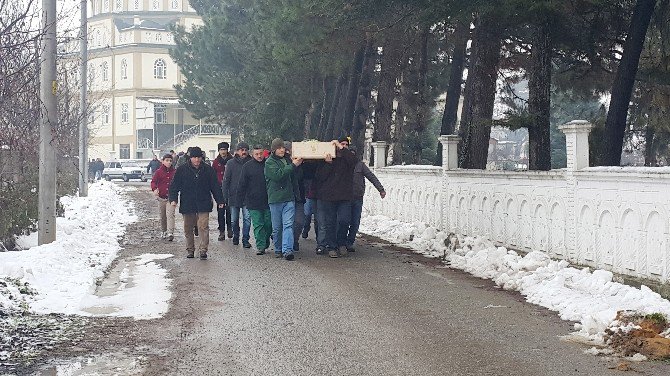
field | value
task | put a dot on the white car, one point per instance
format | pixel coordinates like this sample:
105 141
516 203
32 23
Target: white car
125 170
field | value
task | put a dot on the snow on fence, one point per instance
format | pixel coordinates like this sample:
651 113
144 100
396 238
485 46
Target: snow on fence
614 218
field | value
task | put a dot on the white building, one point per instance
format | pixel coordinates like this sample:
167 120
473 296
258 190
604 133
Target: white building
131 81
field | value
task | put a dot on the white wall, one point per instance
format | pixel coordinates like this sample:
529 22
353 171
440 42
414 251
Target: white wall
617 220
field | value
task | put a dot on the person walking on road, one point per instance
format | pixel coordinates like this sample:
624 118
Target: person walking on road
279 175
254 196
299 193
361 172
153 165
334 180
193 186
231 182
160 185
219 165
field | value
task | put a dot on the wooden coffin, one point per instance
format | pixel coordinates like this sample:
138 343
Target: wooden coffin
312 149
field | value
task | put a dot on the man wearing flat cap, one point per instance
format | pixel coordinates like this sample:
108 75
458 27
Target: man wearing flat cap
219 165
193 185
230 186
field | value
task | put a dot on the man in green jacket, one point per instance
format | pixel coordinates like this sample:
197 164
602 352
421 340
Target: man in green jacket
280 176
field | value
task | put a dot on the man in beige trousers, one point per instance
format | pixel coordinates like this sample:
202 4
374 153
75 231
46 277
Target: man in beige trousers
193 185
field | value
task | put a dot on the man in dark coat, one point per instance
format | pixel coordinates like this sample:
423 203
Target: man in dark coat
194 184
253 194
219 165
153 165
334 192
231 182
361 172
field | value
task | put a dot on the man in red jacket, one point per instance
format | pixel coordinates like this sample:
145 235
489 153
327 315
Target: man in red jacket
160 184
219 166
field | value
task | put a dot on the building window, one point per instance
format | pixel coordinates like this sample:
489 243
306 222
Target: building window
105 5
156 5
105 114
159 37
160 71
137 4
91 76
105 71
119 5
97 39
160 114
124 69
174 4
124 151
124 113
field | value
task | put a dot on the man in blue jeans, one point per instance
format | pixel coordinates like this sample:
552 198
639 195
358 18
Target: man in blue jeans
361 172
334 192
230 184
280 178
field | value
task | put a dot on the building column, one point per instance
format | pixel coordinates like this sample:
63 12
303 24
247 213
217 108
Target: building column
449 151
379 148
577 143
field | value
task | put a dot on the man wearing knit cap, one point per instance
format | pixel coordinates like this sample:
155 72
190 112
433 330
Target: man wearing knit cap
219 166
279 176
194 184
231 182
334 192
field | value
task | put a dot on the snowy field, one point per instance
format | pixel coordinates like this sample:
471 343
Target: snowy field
62 277
588 297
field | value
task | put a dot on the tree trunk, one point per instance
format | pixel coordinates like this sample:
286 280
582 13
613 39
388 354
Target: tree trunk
480 92
327 88
421 102
539 101
363 102
352 92
399 138
649 146
386 88
308 120
615 125
335 106
450 115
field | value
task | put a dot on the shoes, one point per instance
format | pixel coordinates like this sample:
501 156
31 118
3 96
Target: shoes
246 245
351 249
289 257
333 254
236 241
343 252
190 255
305 234
203 255
170 237
230 234
296 247
222 236
319 251
260 252
278 255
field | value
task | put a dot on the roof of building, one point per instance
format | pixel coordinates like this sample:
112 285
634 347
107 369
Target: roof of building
127 23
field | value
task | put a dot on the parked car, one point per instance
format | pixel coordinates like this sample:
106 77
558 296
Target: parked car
126 170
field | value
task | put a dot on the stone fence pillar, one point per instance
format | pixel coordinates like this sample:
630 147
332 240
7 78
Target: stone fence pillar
379 148
449 151
577 143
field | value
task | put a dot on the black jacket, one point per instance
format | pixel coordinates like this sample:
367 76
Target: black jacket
195 188
334 181
252 190
362 172
231 180
153 165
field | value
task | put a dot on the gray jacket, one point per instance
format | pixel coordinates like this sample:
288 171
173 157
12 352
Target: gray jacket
362 172
231 180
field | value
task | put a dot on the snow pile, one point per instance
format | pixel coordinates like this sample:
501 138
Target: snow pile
62 273
590 298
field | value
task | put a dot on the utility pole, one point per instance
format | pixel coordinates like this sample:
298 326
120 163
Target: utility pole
83 125
48 118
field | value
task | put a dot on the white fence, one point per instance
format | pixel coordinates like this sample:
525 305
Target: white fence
616 219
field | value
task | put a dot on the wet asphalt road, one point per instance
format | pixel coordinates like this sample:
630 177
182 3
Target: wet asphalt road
380 311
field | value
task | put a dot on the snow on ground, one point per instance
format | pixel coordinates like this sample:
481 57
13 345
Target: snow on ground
588 297
61 277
